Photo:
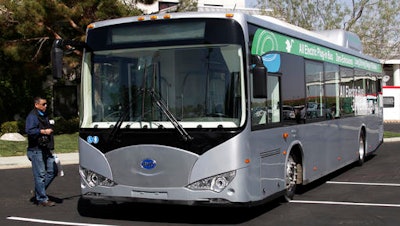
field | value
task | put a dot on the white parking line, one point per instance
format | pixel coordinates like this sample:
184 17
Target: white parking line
345 203
352 203
361 183
54 222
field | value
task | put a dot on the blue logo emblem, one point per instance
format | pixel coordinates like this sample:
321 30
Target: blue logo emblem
148 164
89 139
92 139
95 139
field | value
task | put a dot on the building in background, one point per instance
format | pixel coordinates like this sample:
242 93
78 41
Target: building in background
202 6
391 90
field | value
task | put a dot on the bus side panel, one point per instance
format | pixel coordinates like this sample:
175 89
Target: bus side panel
268 146
327 146
234 154
374 130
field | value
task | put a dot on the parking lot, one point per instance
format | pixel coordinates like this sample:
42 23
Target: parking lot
367 195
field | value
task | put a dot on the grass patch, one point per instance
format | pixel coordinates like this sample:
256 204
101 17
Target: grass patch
388 134
64 143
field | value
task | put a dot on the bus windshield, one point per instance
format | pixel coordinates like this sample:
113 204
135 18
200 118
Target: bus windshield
199 85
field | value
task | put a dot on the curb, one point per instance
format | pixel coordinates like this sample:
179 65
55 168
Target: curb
393 139
23 162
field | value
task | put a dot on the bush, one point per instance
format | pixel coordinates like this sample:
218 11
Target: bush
21 126
63 126
9 127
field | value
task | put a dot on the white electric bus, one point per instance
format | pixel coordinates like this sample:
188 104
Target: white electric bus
187 108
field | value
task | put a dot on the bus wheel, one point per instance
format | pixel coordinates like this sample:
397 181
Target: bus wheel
361 150
87 209
293 175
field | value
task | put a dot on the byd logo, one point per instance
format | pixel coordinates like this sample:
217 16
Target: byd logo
148 164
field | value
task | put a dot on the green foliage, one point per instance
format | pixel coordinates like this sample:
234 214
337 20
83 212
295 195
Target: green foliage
9 127
378 27
311 15
63 126
375 22
27 30
21 126
187 5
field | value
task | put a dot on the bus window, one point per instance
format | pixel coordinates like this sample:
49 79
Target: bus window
315 106
273 107
346 92
293 89
267 110
332 90
107 104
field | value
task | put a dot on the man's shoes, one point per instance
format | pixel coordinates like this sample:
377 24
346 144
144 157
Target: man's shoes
47 203
33 200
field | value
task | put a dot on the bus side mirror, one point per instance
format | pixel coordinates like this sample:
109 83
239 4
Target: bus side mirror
259 77
57 58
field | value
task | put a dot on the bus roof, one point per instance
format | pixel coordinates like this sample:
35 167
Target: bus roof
319 38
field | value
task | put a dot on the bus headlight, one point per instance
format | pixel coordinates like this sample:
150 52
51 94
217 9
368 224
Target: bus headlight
215 183
94 179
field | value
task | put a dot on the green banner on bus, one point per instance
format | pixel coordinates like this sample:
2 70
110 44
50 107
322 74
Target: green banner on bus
265 41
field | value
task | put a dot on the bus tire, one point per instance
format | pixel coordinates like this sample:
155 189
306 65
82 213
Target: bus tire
87 209
84 207
293 171
98 208
361 150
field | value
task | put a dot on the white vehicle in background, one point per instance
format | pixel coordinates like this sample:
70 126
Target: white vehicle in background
288 112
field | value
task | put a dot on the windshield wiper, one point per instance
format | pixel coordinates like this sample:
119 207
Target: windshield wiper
170 116
118 124
123 117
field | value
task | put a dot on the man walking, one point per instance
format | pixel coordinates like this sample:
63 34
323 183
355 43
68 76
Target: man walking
39 152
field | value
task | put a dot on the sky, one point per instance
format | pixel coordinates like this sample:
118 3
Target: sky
250 3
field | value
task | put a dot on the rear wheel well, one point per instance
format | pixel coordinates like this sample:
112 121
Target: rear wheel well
297 154
293 172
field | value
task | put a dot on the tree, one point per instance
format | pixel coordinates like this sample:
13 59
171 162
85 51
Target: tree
187 5
183 5
374 21
28 28
311 15
377 26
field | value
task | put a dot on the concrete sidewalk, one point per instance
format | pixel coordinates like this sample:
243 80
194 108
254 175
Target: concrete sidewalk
23 161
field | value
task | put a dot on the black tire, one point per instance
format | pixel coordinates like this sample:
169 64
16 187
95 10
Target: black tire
294 174
361 150
96 209
86 208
